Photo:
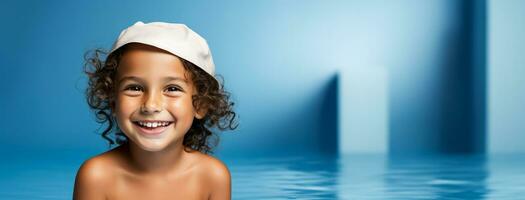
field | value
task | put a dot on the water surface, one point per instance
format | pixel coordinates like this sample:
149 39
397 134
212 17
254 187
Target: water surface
51 176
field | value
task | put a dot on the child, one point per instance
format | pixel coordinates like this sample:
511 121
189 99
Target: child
157 91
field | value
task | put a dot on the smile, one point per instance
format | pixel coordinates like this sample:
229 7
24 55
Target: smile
152 124
152 129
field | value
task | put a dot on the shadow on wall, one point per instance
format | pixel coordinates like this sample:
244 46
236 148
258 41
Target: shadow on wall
307 125
440 107
463 86
313 128
329 122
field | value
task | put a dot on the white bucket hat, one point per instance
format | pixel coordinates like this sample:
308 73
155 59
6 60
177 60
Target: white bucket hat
177 39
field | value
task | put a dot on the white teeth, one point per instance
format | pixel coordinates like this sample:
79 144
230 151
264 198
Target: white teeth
153 124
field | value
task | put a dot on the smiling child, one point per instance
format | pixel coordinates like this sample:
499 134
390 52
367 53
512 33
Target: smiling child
157 92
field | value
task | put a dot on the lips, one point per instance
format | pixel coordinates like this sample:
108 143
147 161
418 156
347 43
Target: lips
152 128
152 124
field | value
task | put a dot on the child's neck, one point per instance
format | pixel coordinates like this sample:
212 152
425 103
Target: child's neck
158 162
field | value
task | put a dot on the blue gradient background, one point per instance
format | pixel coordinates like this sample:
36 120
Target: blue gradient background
307 77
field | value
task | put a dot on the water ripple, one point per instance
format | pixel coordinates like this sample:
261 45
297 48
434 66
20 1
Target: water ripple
379 177
313 177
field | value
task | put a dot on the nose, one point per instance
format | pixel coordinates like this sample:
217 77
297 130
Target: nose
152 103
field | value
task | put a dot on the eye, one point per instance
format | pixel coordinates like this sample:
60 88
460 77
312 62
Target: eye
134 88
173 88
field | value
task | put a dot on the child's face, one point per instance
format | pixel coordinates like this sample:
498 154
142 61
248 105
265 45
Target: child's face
153 104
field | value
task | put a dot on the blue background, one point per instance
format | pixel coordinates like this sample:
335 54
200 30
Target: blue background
307 77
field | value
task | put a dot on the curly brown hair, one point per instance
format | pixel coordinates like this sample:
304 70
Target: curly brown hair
211 96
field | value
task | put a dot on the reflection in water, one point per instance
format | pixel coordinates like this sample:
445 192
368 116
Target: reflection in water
312 177
379 177
278 178
507 176
361 177
437 177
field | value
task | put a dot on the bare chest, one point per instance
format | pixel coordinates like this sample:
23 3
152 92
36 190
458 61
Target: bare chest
182 187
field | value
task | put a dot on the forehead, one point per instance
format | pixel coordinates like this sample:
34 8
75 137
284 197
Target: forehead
149 62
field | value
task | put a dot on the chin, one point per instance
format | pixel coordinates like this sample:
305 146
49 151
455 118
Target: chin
151 146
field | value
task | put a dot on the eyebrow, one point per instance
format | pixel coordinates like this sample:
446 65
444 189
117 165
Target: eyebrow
140 80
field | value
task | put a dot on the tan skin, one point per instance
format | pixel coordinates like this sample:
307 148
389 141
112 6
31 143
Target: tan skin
153 168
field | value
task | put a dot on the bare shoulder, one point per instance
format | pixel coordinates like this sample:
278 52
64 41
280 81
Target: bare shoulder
94 176
216 174
213 167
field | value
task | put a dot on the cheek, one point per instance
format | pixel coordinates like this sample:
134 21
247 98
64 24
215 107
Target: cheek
124 106
181 107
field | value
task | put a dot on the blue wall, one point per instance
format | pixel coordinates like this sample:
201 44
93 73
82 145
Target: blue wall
506 82
276 60
434 105
280 60
412 76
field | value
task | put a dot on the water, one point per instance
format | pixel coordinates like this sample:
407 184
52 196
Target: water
51 176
